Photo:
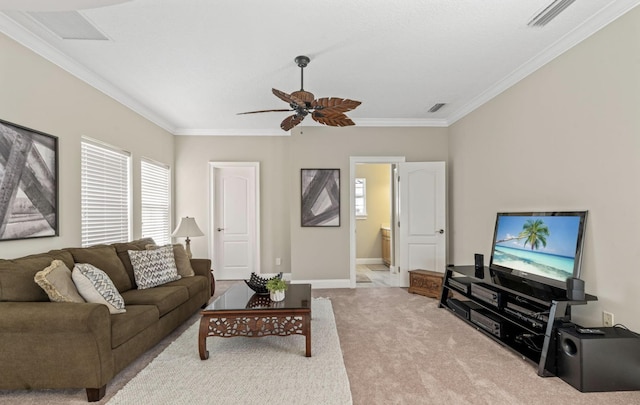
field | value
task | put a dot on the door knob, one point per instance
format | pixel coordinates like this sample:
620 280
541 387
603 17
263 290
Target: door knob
441 231
220 229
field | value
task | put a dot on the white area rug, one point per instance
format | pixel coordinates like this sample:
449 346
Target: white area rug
243 370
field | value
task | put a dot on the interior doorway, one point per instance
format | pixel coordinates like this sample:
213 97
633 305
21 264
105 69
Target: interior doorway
235 219
374 212
387 277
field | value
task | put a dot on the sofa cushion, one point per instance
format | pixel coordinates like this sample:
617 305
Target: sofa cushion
193 284
164 298
16 278
122 249
135 320
56 281
152 268
95 286
64 255
106 259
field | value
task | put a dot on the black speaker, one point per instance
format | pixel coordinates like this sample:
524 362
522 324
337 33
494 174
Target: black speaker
595 363
575 289
479 264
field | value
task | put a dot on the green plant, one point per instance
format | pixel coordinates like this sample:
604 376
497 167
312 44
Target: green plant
276 284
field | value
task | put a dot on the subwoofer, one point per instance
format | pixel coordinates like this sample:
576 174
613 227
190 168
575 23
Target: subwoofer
594 363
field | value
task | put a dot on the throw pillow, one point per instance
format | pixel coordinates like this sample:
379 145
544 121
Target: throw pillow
152 268
95 286
183 263
56 281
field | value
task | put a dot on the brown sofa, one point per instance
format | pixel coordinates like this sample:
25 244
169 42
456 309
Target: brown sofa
47 344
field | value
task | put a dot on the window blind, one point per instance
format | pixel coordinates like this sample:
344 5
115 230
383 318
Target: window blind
361 196
105 206
155 184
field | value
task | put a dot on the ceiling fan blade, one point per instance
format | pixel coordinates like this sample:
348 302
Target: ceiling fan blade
288 98
263 111
335 119
291 121
336 104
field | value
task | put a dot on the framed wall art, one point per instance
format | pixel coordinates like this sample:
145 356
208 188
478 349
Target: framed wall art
28 183
320 197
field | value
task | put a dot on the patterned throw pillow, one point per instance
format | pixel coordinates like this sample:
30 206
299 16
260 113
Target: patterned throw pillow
56 281
95 286
155 267
183 263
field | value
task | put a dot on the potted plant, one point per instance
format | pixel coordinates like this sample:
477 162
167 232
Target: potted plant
276 287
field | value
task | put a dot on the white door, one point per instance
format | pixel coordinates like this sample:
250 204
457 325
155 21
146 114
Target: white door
422 238
235 220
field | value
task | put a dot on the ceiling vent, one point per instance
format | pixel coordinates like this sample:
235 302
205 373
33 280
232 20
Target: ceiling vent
436 107
68 25
549 13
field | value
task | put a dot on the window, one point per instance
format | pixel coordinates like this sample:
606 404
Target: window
361 197
155 184
105 194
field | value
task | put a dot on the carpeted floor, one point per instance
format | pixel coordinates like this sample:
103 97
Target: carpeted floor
399 348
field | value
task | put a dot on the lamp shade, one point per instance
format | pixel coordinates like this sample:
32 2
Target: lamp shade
187 228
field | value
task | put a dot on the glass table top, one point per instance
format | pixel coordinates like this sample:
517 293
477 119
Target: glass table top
241 297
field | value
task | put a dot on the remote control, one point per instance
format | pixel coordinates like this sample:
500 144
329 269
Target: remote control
588 331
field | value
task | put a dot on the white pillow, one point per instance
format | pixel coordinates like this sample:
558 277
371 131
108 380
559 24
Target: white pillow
155 267
95 286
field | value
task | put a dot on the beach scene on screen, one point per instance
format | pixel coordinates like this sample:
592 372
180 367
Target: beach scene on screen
541 245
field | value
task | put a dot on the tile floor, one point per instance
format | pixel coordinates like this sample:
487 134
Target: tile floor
378 278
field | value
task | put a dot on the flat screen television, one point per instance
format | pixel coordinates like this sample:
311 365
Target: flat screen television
545 247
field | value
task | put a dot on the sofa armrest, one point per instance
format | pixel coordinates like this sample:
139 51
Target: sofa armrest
42 343
202 267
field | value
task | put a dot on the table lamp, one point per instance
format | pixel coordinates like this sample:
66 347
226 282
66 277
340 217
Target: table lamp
185 229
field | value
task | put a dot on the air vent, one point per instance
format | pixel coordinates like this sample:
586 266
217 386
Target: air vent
68 25
436 107
549 13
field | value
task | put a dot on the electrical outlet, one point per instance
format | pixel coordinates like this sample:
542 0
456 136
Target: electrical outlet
607 318
278 261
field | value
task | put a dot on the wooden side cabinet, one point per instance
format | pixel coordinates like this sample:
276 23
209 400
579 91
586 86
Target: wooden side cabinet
425 282
386 246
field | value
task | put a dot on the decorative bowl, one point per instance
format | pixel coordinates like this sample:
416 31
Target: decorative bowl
259 284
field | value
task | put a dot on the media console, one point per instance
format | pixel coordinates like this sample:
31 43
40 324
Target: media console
519 314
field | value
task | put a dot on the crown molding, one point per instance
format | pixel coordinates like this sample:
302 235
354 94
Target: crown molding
231 132
589 27
20 34
401 122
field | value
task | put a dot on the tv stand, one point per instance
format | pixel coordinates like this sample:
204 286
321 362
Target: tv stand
519 315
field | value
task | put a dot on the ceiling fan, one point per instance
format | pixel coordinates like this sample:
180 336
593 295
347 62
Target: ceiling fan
327 110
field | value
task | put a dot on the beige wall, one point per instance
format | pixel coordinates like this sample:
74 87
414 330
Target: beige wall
378 195
41 96
565 138
308 253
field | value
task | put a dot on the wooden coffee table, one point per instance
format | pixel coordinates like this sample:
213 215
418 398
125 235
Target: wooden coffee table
241 312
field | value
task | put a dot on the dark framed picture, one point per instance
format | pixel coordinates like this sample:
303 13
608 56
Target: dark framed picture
320 197
28 183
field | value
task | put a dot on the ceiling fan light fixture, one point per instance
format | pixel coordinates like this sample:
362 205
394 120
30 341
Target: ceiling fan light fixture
328 111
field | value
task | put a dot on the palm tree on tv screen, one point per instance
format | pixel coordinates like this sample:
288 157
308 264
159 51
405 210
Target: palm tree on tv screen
535 233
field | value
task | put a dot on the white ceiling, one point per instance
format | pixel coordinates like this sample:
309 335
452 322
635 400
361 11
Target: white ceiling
191 65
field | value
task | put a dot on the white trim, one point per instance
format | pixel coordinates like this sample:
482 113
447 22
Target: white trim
20 34
231 132
211 219
353 160
604 17
320 284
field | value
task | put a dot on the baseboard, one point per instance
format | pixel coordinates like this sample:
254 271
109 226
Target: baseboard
317 284
369 260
